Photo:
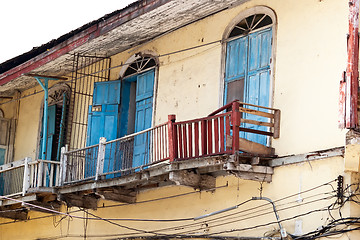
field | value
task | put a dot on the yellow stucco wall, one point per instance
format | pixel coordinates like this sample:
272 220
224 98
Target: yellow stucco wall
174 202
28 124
309 57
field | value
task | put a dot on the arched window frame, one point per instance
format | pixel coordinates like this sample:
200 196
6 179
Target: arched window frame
225 39
56 93
136 57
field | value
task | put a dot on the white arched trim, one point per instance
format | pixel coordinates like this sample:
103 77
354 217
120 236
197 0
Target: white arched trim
136 56
246 13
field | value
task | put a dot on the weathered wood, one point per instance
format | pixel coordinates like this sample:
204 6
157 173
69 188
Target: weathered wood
255 161
235 125
253 147
222 135
256 131
12 165
79 200
27 198
190 142
216 135
216 165
203 137
14 213
100 158
277 114
207 182
191 179
249 168
26 178
293 159
227 133
51 205
181 143
256 112
254 176
185 178
113 196
267 124
209 137
197 142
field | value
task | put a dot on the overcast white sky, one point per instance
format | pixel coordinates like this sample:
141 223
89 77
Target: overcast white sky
30 23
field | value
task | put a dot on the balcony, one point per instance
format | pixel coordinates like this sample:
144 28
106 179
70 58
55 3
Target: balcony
191 153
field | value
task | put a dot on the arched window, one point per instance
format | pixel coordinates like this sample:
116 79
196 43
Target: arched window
58 101
248 62
141 64
250 24
122 107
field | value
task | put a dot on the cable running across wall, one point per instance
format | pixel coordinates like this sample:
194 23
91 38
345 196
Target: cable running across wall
118 66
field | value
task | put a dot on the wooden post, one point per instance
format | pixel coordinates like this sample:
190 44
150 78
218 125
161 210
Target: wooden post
276 124
100 158
235 118
26 180
63 164
171 136
40 173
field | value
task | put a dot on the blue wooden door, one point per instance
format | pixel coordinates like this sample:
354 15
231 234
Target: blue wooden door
143 116
50 133
247 76
103 121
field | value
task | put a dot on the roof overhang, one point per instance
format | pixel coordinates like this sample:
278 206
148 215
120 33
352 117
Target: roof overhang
138 23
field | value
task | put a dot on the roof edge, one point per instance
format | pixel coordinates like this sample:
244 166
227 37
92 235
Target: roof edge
38 56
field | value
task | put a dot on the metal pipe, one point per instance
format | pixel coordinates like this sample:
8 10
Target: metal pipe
45 114
217 212
282 230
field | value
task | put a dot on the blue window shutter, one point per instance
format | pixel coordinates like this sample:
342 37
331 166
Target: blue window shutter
248 58
107 92
143 116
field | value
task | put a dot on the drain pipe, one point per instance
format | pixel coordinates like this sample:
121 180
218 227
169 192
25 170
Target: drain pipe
45 87
349 84
282 230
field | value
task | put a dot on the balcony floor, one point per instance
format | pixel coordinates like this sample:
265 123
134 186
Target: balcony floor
198 173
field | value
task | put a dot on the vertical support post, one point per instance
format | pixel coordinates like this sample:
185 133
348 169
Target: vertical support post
235 118
276 124
62 122
45 115
352 70
40 173
63 166
26 180
100 158
171 136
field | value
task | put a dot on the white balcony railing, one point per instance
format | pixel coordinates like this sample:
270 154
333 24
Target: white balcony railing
18 177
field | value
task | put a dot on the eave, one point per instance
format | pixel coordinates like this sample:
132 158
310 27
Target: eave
138 23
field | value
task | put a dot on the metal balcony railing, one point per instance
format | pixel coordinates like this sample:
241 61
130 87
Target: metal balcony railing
17 178
222 132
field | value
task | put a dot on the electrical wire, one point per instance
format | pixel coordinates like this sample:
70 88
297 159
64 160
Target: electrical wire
186 233
118 66
117 205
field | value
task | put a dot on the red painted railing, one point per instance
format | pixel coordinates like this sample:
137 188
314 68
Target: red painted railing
219 133
201 137
216 134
